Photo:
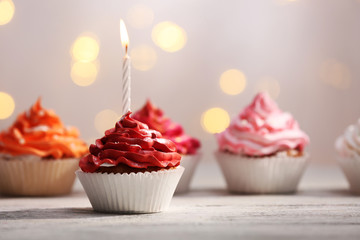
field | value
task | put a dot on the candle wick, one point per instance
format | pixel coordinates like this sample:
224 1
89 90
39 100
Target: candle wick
126 49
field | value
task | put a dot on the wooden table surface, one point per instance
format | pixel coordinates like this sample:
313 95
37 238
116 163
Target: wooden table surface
322 209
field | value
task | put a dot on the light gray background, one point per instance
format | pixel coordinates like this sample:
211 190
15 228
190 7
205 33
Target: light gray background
288 41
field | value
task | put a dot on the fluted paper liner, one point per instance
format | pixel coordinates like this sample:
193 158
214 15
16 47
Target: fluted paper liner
131 193
189 162
275 174
351 169
37 177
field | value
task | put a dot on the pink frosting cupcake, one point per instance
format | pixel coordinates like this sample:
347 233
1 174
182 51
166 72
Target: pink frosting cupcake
348 155
262 151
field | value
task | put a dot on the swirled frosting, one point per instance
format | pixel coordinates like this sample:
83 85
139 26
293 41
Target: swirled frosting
262 129
348 144
40 132
155 119
131 143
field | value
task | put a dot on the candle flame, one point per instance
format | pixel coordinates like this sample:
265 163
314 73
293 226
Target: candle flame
124 35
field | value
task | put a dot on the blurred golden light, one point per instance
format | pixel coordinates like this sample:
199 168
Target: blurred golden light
215 120
105 120
85 49
140 16
143 57
84 73
270 85
7 105
169 36
232 82
335 74
7 10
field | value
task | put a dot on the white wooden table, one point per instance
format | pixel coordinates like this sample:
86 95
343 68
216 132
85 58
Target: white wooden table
322 209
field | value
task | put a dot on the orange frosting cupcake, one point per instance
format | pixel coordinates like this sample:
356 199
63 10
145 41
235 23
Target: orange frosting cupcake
39 155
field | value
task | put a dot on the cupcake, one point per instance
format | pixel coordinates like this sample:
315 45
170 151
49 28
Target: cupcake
348 155
187 146
131 169
262 151
39 155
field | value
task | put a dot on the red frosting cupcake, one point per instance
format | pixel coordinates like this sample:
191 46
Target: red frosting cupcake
186 145
130 169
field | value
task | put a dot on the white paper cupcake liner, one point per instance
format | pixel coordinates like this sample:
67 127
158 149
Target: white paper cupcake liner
131 193
32 176
351 170
276 174
189 162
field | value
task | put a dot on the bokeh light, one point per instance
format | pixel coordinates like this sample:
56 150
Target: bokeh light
84 73
7 105
7 10
232 82
270 85
85 49
143 57
105 120
140 16
85 68
335 74
215 120
169 36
